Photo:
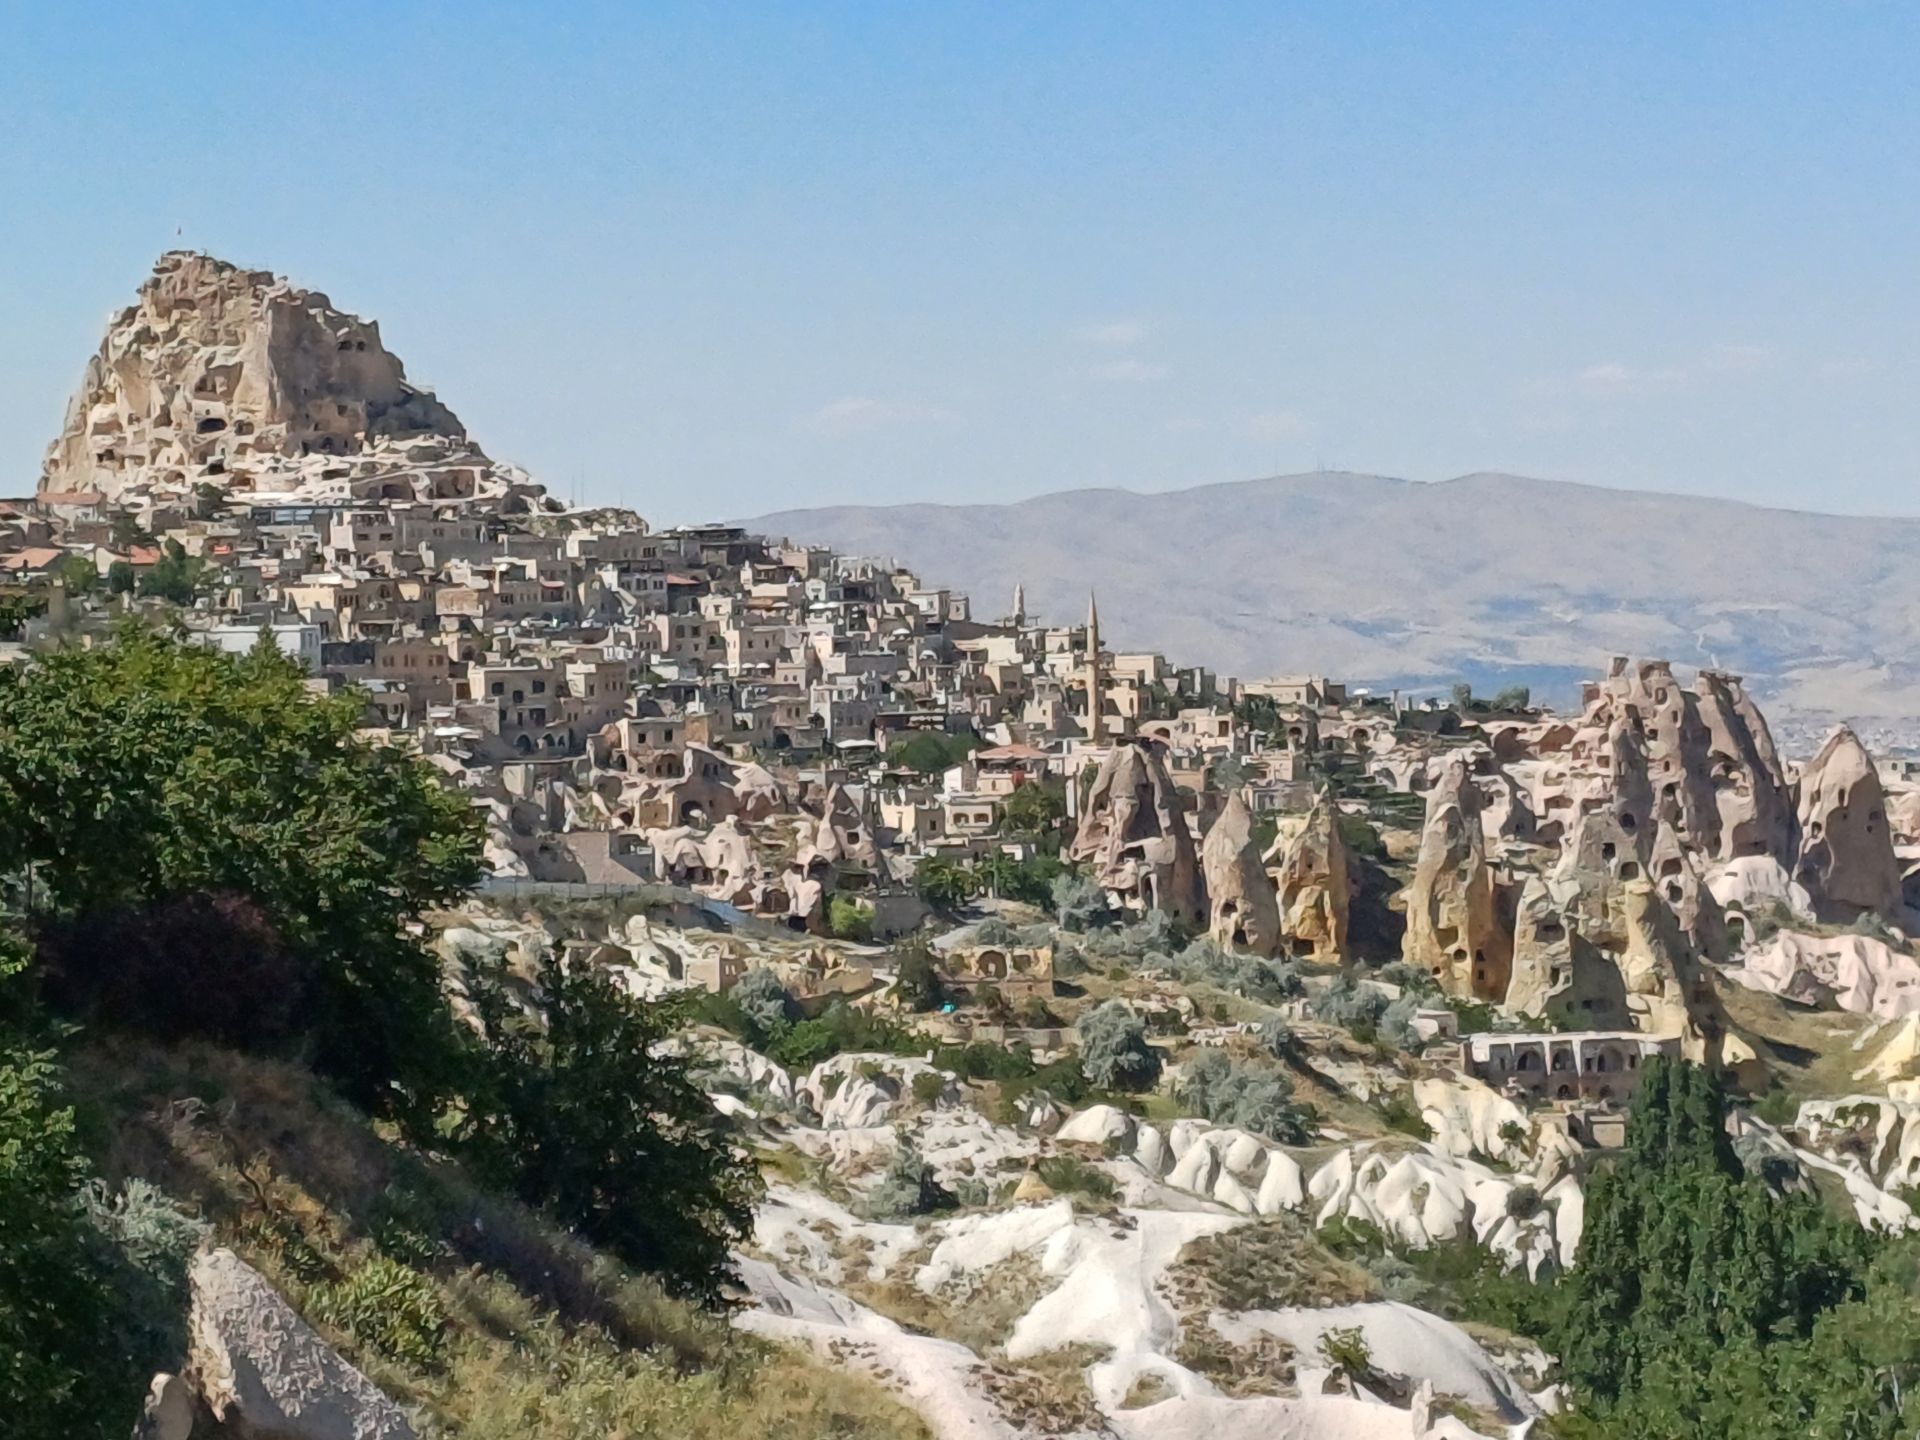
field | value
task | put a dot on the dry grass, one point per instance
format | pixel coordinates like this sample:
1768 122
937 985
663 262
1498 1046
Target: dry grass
1047 1394
1272 1265
1809 1051
547 1339
980 1314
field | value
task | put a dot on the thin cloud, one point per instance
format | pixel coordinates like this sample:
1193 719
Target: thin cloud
1129 371
1717 361
1115 332
861 414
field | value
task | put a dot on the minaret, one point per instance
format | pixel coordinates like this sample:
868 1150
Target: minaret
1019 605
1096 720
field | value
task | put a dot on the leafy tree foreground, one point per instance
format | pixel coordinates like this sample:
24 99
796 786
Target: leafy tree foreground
196 848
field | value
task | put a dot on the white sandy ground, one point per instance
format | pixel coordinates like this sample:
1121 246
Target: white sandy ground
1102 1272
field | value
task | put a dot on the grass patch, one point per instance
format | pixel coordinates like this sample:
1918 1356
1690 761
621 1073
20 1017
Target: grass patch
488 1321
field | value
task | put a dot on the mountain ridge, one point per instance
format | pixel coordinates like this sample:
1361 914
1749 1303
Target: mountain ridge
1490 577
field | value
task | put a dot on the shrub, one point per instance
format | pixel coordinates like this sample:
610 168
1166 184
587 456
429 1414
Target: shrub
199 966
848 919
1079 902
1114 1053
1395 1025
1205 963
1255 1098
228 777
1070 1175
1347 1349
581 1113
929 1086
762 1000
916 982
1345 1002
388 1307
1278 1040
63 1373
907 1189
1398 1112
980 1060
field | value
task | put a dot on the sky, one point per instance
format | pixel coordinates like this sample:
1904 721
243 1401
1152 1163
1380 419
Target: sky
710 261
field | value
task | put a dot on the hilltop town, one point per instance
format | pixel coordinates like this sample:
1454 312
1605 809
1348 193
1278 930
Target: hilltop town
1384 962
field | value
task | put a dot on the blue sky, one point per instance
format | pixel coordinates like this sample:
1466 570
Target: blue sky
715 260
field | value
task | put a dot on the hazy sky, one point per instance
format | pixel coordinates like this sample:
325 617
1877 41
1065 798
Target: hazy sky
715 260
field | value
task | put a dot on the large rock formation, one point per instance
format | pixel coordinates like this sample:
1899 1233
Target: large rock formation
237 379
1749 786
1242 911
1310 874
1134 834
1700 762
1454 927
1846 845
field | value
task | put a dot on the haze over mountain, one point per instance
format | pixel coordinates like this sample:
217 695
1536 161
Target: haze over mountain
1492 578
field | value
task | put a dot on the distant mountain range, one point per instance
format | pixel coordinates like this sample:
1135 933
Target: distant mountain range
1494 579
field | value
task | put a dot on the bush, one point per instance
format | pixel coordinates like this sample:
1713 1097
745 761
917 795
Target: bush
1205 963
1398 1112
848 919
762 1000
388 1307
1079 902
1347 1349
983 1061
1395 1025
1345 1002
200 966
1070 1175
1114 1053
916 982
1278 1040
908 1189
580 1112
1250 1097
929 1086
62 1296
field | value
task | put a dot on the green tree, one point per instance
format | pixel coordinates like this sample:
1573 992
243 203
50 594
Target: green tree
77 574
176 576
1689 1272
126 530
1114 1053
580 1111
849 919
764 1002
943 884
917 981
149 768
121 579
931 751
1514 697
1034 809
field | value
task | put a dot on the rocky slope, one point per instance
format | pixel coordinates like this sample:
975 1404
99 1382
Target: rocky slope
240 380
1493 578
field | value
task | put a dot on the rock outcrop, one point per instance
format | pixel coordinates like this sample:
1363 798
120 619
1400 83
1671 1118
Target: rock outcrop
1310 869
1749 786
1243 913
1846 845
1856 973
239 380
1135 836
261 1371
1454 928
